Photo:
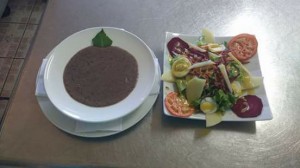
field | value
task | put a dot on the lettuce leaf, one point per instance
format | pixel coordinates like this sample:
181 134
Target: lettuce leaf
224 100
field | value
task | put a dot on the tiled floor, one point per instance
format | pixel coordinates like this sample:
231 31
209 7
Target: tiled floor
16 35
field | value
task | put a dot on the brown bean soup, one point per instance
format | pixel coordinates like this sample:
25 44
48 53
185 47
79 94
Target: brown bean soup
100 77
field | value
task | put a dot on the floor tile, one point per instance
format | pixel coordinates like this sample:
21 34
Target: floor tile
5 64
16 35
20 11
38 11
12 77
10 37
3 104
26 41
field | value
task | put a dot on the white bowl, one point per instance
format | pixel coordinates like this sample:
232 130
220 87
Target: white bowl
62 53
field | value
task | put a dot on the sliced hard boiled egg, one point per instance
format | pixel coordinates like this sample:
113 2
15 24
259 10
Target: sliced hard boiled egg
208 105
214 47
180 67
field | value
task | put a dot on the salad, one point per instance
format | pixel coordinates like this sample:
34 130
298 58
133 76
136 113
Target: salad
211 78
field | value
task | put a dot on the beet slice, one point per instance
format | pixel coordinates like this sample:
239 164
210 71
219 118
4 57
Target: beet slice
177 45
248 106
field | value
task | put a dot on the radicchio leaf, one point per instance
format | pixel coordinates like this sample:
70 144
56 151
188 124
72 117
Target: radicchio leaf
177 45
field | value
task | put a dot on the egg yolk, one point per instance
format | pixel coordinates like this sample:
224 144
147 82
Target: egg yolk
180 67
207 106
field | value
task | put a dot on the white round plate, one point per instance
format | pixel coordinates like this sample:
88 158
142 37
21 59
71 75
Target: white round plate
68 124
53 76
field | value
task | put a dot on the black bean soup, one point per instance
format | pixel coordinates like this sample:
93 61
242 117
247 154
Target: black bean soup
100 77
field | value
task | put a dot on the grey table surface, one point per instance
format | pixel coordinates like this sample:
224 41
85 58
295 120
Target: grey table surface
28 138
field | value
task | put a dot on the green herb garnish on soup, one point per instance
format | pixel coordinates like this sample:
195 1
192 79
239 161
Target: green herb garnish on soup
101 40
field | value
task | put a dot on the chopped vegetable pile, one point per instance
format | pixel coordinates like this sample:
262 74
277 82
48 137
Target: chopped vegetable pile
210 78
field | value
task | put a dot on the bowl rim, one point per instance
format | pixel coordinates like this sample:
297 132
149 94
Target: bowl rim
98 119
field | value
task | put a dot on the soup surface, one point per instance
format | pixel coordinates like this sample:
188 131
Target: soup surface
100 76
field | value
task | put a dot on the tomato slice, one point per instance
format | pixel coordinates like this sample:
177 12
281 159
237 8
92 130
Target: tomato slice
243 46
178 106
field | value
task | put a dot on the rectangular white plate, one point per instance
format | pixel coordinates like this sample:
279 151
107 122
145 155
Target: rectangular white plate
253 67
